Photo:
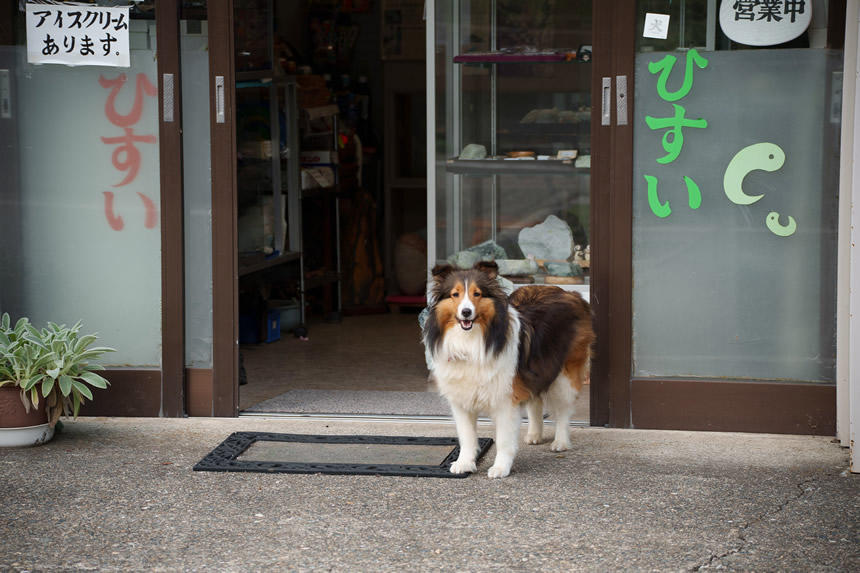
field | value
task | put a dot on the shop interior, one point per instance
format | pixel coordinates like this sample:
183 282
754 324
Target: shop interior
332 268
333 244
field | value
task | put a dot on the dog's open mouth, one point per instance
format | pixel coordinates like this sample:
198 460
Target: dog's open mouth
466 324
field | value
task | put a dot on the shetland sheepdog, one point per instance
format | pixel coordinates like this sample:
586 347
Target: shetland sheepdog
492 353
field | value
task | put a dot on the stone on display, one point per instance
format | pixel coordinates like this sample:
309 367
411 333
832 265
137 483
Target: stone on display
551 240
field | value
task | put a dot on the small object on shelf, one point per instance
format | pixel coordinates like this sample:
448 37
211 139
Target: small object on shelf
581 256
583 161
486 251
521 154
583 53
517 267
567 153
318 157
563 269
473 151
464 259
553 280
317 177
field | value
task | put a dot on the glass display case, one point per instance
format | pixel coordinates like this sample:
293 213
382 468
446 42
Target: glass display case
512 139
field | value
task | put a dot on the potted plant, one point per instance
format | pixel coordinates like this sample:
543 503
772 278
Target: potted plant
44 374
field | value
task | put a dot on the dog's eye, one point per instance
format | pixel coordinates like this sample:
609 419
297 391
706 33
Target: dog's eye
455 295
477 294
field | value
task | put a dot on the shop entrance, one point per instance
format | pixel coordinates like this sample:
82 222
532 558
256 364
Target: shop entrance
330 155
330 208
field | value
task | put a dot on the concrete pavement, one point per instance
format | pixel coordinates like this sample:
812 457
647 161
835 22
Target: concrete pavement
119 494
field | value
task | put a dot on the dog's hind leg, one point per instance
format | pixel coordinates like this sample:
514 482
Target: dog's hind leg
507 419
534 408
467 435
560 399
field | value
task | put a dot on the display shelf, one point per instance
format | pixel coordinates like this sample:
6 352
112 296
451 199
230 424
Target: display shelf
487 167
320 123
494 90
256 75
254 264
311 113
515 58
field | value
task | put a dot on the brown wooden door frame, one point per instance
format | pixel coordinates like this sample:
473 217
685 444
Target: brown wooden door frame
153 392
613 39
172 213
617 398
225 273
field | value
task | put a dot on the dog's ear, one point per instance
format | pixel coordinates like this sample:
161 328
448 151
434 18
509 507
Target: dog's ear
441 271
490 268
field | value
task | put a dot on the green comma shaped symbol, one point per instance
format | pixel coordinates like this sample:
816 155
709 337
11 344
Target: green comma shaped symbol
764 156
778 229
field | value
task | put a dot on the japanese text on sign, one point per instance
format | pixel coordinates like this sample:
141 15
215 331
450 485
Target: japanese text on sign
765 156
77 35
764 22
673 137
126 157
768 10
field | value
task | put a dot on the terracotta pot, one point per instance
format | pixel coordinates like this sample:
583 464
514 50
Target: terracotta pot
19 427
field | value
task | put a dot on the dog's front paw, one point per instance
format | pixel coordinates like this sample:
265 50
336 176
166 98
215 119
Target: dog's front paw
463 466
560 445
533 438
498 471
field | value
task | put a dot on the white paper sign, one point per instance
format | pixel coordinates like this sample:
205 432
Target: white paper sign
77 35
759 23
656 26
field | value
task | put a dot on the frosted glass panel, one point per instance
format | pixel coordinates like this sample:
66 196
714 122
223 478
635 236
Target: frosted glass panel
734 259
197 181
84 204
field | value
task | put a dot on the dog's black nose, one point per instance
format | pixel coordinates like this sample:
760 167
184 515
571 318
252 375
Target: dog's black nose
466 312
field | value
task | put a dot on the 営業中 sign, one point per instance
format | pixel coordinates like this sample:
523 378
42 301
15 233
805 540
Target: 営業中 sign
764 22
77 35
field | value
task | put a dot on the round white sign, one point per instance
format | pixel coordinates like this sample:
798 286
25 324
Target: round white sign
764 22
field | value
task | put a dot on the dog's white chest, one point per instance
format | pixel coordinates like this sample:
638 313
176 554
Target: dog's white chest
470 376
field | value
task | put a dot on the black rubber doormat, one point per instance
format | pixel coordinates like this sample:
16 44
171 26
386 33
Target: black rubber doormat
342 455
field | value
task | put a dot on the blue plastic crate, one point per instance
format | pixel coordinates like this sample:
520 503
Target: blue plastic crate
273 325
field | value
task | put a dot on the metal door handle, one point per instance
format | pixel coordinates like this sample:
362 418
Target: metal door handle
605 95
219 99
620 100
167 112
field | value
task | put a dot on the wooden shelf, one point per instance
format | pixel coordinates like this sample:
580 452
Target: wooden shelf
259 265
510 57
312 113
487 167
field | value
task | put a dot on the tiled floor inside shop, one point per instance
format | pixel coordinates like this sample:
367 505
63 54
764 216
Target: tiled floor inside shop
381 352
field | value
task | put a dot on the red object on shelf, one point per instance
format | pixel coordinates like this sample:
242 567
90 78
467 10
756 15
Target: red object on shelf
396 301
